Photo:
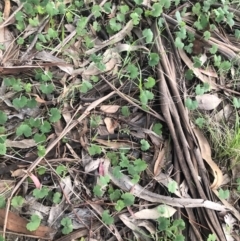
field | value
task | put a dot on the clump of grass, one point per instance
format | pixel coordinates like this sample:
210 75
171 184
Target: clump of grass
224 138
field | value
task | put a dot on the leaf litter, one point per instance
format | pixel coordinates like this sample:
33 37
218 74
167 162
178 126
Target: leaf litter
117 175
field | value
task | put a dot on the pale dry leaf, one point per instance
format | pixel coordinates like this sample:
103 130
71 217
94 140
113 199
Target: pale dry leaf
48 57
111 124
23 144
154 213
159 162
110 109
92 165
206 155
18 173
207 101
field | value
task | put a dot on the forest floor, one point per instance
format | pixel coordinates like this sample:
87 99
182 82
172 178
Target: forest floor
119 120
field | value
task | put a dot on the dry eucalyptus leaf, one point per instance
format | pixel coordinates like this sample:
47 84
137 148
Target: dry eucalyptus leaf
208 101
25 143
155 213
110 109
111 124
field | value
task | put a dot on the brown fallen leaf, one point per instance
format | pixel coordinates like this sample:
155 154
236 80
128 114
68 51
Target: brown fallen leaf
18 224
25 143
111 124
206 155
110 109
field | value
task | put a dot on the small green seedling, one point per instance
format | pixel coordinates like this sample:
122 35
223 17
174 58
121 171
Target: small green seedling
67 225
17 201
223 194
106 217
34 223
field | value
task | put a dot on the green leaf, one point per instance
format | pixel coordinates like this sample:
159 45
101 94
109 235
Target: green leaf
124 161
153 59
120 205
25 130
124 9
125 111
172 186
237 33
200 122
197 62
188 48
145 96
41 170
94 149
97 190
179 224
2 202
34 223
17 201
117 172
20 102
107 7
144 145
45 127
150 83
133 71
85 86
3 118
163 224
20 41
57 197
40 193
157 128
156 10
61 170
114 25
95 120
212 237
148 34
199 90
55 115
189 74
67 225
41 151
3 149
104 180
39 138
140 165
223 194
236 102
114 196
47 88
51 9
213 49
225 65
207 35
179 237
96 11
196 9
135 18
128 198
191 104
178 43
106 217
